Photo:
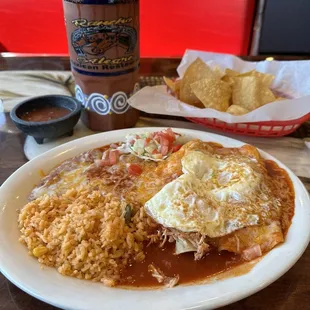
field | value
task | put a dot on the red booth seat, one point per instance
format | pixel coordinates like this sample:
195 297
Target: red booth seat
168 27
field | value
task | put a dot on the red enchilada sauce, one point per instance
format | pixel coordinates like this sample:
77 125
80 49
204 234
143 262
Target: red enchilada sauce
214 262
44 114
285 191
184 265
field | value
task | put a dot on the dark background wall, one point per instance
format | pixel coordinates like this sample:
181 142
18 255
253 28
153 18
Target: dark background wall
285 27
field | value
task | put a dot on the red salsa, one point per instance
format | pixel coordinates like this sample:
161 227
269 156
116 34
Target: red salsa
43 114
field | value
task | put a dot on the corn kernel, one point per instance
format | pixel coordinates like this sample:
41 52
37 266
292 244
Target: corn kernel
39 251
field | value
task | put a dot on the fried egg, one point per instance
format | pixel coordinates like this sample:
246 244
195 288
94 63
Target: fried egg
216 195
228 179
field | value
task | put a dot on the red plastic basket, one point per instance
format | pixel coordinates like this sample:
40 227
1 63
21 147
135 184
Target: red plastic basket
259 129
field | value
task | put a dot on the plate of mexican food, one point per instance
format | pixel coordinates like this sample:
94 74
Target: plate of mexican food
151 218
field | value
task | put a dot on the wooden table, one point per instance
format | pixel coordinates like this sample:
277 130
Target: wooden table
291 291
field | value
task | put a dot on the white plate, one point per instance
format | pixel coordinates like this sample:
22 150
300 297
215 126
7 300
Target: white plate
69 293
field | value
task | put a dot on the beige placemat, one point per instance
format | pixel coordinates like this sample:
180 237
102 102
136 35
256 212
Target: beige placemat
17 86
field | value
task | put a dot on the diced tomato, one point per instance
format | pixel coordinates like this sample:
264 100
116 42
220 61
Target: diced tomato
134 169
155 152
147 141
176 147
170 138
167 137
113 157
170 133
164 149
109 158
164 141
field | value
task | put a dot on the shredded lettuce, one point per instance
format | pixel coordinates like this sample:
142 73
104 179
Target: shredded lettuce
147 145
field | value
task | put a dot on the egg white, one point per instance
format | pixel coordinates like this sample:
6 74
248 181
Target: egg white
211 197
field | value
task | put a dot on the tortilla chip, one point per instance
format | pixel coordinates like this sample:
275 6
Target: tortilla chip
229 80
177 85
202 87
218 72
170 83
198 70
237 110
199 105
248 73
173 85
250 92
231 72
267 95
265 78
229 76
246 92
213 93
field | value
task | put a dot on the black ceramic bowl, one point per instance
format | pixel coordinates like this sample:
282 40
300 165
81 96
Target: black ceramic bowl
52 128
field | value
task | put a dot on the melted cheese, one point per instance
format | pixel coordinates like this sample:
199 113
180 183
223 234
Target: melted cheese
201 188
65 181
228 179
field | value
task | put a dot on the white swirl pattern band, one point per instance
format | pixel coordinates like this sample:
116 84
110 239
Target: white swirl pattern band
99 104
79 95
119 103
102 104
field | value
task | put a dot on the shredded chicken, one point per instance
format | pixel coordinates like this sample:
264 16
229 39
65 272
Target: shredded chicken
251 253
202 248
237 243
154 238
200 244
185 242
164 237
161 278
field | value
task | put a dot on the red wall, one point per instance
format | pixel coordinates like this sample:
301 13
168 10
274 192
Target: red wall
168 27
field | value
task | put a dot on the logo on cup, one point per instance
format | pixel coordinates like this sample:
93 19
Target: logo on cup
97 40
104 44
